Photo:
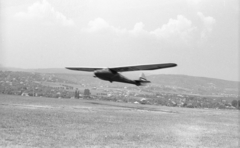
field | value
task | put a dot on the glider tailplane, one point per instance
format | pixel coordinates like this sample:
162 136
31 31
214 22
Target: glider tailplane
142 81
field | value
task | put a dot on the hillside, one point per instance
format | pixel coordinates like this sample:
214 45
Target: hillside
197 85
162 82
168 90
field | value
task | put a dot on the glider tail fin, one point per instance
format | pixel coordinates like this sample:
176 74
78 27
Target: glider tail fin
142 81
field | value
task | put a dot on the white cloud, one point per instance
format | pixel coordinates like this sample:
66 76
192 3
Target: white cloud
96 25
180 27
138 28
46 13
100 24
208 23
194 2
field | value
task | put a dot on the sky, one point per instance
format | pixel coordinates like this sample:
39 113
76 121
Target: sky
201 36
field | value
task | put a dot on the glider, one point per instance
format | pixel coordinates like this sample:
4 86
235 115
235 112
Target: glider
112 74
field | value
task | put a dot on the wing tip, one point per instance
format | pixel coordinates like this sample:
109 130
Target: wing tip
174 65
70 68
168 65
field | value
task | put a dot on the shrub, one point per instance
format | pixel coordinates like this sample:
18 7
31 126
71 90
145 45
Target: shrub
235 103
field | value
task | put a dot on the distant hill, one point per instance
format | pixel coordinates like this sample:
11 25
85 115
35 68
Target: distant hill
14 69
197 84
162 82
44 70
168 90
192 81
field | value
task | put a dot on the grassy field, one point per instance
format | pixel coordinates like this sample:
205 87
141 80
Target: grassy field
47 122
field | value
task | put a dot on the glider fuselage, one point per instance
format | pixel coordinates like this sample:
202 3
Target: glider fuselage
110 75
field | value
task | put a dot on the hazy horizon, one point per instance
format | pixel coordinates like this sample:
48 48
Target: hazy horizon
130 75
201 36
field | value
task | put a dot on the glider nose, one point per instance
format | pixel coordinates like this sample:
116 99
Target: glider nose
96 73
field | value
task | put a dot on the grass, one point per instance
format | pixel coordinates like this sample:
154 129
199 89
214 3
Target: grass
47 122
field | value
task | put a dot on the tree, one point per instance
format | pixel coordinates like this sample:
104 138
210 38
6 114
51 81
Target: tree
86 93
236 103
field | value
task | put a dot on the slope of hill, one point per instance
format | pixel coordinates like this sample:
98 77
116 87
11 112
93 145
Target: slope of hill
163 82
43 70
170 90
199 85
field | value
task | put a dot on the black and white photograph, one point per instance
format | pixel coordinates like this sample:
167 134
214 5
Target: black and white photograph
119 73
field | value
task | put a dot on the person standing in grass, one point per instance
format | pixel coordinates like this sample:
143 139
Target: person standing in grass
77 93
